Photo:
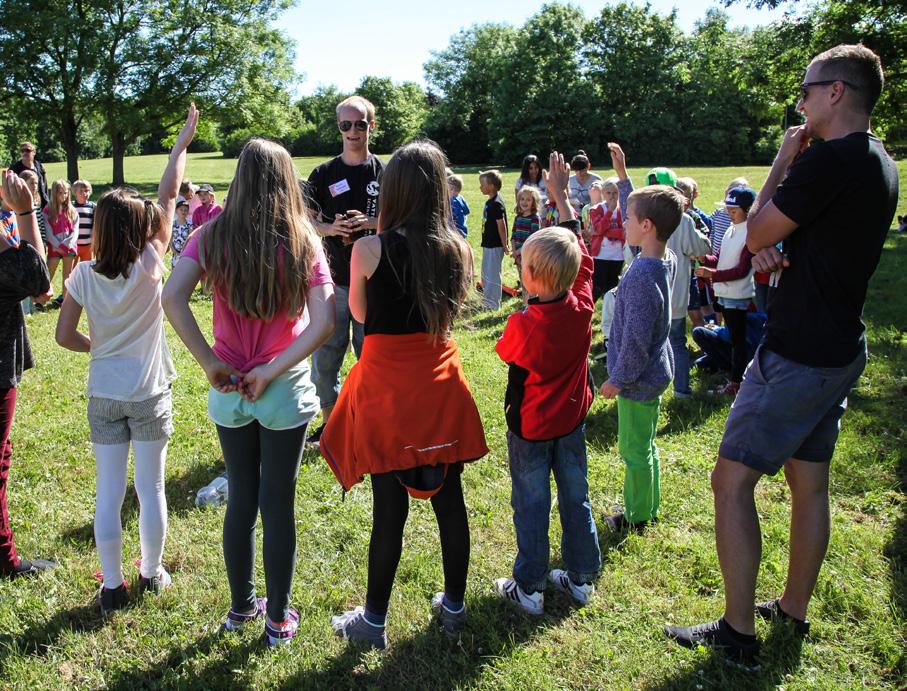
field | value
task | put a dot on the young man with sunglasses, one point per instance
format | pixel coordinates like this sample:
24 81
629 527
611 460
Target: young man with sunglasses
346 189
794 393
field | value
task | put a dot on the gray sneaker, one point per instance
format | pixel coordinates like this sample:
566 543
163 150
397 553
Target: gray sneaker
453 623
352 626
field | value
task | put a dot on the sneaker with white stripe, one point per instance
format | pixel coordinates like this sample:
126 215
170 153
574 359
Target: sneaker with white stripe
531 603
581 593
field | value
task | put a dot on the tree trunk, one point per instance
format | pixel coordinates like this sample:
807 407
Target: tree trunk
118 145
70 139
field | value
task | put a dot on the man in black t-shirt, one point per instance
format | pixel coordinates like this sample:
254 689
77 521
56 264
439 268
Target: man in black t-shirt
830 202
346 188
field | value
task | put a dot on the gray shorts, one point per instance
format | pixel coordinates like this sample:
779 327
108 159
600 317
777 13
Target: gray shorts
118 422
787 410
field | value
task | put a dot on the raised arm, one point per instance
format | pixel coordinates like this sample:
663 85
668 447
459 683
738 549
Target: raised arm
18 197
169 186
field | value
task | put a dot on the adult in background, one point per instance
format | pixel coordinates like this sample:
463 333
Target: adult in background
788 411
531 174
23 273
29 162
581 181
346 189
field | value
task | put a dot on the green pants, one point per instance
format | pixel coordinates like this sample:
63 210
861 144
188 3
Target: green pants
636 425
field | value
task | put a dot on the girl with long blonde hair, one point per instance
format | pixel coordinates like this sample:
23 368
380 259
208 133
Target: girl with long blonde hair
273 306
63 232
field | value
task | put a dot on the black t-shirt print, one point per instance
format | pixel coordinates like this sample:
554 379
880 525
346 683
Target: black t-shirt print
494 210
338 188
842 193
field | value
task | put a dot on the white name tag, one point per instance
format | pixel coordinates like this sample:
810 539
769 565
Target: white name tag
339 187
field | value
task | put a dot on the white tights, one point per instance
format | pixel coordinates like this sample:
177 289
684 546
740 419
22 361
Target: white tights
112 464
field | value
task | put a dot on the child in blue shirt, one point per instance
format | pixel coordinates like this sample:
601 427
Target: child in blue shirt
458 206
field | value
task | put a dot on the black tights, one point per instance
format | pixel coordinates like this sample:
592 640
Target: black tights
390 508
736 326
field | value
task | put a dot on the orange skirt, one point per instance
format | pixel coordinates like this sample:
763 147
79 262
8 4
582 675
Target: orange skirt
405 404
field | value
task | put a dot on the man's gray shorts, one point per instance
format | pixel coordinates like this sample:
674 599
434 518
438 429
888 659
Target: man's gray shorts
116 422
787 410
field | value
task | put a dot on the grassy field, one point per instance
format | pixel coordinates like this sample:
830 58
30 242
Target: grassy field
52 636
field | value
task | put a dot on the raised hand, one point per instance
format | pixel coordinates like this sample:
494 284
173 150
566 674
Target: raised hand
15 192
184 138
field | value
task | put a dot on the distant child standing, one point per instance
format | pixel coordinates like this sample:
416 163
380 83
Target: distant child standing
31 179
85 208
63 226
130 372
182 229
272 308
458 206
549 392
208 209
595 198
731 273
494 238
606 239
640 361
526 221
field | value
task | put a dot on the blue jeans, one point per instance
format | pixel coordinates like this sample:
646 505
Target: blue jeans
531 464
328 359
678 338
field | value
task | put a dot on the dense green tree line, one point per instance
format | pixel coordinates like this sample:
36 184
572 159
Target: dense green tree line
105 83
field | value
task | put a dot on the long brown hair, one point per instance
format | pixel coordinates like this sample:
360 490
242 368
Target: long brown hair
259 252
124 222
414 198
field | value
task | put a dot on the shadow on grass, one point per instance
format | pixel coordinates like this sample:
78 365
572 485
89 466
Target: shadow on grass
180 493
430 660
780 656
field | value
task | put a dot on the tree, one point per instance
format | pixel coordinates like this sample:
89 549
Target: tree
466 79
545 103
400 111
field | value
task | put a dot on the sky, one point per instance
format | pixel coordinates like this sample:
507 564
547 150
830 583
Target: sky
394 38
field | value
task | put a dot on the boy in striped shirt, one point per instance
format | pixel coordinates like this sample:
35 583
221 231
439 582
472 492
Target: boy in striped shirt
82 191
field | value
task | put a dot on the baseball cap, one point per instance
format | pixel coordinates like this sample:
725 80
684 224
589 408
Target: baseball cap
661 176
182 202
741 197
205 188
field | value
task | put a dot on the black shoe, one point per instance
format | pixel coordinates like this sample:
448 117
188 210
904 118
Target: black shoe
315 438
31 567
718 635
618 523
112 599
59 301
155 584
771 611
39 308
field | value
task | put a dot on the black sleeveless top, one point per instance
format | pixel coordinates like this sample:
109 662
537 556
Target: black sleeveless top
390 300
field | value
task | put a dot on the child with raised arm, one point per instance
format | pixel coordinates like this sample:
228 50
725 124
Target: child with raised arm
130 372
549 392
640 361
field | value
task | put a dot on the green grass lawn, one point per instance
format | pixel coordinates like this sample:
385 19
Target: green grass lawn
51 633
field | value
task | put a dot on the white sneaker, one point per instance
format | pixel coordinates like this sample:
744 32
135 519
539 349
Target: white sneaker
508 589
580 593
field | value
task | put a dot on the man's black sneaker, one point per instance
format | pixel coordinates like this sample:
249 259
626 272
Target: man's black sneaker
112 599
741 649
31 567
771 611
315 437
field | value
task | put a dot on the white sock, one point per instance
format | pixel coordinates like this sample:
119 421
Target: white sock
111 463
150 458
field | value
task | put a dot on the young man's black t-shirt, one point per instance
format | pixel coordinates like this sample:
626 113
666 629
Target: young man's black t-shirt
338 188
842 193
494 210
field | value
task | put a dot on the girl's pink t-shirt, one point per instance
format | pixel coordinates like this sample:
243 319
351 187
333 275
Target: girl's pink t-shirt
246 343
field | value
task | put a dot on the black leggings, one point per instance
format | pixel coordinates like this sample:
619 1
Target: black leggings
262 466
605 275
390 508
736 326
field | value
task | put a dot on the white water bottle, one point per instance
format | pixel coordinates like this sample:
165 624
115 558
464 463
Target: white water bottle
212 494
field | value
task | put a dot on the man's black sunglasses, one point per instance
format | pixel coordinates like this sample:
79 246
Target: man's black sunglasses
804 87
347 125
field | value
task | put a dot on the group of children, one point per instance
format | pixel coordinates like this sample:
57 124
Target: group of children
262 399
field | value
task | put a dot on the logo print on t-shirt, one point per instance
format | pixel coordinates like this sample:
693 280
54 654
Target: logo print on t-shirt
372 188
